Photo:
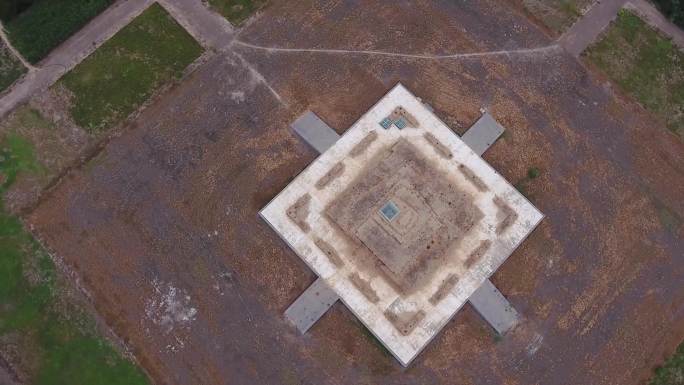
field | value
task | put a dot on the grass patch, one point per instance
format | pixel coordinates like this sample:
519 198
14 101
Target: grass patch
123 73
47 23
62 348
644 64
533 173
10 67
557 15
523 184
672 372
16 155
237 11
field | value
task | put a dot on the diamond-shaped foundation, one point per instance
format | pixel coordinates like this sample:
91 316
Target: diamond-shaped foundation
403 224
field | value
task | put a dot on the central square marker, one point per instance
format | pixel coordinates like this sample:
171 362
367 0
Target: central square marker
389 211
404 222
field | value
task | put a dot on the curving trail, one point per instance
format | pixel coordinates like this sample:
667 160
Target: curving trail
521 51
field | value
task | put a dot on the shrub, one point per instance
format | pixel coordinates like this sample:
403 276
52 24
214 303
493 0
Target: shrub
533 172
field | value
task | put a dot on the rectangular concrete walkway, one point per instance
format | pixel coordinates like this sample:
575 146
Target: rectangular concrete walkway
493 307
315 132
318 298
311 305
481 135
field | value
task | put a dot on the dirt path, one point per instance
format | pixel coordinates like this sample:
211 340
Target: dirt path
17 54
587 29
522 51
72 51
652 16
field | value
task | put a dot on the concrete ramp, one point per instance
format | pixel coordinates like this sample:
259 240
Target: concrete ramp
494 307
315 132
311 305
481 135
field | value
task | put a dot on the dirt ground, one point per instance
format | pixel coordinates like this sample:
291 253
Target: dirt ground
162 226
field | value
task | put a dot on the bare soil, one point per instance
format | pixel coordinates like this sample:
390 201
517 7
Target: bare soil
164 232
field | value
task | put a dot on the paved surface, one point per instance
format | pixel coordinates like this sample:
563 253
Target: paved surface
209 28
587 29
483 134
71 52
315 132
311 305
656 19
494 308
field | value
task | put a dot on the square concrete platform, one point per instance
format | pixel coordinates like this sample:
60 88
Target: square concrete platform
402 220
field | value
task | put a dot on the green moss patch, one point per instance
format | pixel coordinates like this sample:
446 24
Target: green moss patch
124 72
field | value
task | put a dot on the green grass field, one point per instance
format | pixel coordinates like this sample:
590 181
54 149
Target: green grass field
10 67
237 11
46 24
557 15
645 65
16 156
672 372
124 72
59 344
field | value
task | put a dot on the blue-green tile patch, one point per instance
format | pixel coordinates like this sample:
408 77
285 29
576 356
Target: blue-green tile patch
389 210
